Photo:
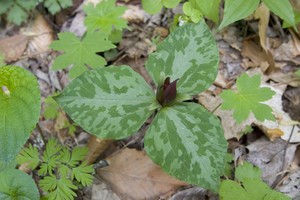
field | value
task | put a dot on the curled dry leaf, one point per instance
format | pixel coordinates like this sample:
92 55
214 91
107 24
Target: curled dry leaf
129 168
41 36
96 147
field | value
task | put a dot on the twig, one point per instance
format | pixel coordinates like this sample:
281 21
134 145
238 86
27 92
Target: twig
278 179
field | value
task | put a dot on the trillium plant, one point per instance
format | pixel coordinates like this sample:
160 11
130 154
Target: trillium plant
184 138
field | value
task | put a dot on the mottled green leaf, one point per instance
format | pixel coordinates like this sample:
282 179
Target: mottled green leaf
16 185
188 142
80 53
105 16
190 54
282 8
111 102
20 109
237 9
247 99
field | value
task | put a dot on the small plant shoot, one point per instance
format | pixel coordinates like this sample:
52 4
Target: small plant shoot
184 138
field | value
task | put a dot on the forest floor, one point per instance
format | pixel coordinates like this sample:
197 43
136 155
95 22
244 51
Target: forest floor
257 45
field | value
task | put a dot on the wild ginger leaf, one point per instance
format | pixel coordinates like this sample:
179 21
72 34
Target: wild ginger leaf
188 142
115 105
80 53
247 99
15 184
19 109
105 17
235 10
189 54
55 6
30 156
17 11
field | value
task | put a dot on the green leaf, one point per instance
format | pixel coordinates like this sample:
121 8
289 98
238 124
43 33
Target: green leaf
83 174
251 186
51 109
190 54
78 154
154 6
282 8
58 188
111 102
248 99
2 63
15 184
55 6
194 14
105 16
297 72
17 11
231 190
30 156
247 170
82 54
51 157
285 24
236 10
188 142
209 8
20 109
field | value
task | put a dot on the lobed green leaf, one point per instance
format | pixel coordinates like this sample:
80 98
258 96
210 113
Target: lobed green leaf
30 156
105 17
55 6
80 53
247 99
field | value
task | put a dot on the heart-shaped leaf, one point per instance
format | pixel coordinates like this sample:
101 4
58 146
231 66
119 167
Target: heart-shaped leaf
189 54
19 109
188 142
15 184
111 102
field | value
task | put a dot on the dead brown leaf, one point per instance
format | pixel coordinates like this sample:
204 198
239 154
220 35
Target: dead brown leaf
269 156
258 56
130 168
262 13
41 36
96 147
13 47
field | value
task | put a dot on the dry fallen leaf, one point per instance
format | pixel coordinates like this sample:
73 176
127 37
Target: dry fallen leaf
13 47
41 36
130 169
96 147
269 156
